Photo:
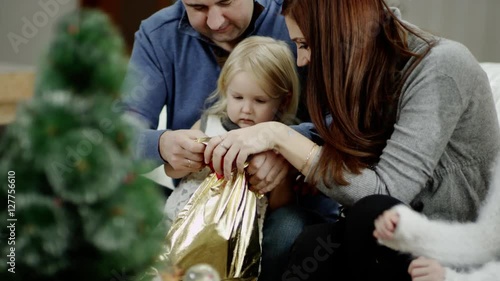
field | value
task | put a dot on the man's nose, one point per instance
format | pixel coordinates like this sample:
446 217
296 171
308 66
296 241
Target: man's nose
215 18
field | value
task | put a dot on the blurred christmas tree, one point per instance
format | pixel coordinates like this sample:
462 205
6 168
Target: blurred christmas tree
80 209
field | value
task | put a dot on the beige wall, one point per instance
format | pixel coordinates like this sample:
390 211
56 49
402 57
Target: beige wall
25 32
26 28
475 23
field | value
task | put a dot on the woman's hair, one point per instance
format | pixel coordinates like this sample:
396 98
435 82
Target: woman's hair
271 64
359 52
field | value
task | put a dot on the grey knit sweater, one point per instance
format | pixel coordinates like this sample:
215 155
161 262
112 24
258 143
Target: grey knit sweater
445 139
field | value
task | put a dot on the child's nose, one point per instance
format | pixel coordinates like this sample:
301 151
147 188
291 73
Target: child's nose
247 107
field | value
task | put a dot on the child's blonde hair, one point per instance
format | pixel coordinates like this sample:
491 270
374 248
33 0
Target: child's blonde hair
271 64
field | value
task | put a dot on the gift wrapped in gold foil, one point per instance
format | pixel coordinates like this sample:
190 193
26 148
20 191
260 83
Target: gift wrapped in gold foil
218 226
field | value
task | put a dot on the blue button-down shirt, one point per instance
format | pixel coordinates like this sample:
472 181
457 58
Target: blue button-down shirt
175 66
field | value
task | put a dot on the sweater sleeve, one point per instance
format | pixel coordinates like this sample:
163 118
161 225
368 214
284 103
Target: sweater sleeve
308 130
430 108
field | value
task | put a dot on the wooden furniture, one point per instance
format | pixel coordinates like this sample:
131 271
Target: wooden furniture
16 85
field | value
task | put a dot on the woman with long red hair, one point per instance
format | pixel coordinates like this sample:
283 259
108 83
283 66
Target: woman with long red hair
404 116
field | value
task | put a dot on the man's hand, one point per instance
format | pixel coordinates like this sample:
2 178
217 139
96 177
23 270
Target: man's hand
267 170
180 149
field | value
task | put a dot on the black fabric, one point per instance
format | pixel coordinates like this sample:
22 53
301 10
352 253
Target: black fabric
302 110
367 260
346 250
317 252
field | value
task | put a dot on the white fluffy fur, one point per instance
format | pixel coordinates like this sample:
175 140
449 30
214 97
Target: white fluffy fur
474 246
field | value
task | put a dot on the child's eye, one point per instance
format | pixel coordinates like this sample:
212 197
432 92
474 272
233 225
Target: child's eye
260 101
237 97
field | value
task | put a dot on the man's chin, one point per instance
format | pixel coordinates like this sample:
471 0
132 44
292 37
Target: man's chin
224 38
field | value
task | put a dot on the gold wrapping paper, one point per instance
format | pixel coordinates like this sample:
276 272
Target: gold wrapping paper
218 226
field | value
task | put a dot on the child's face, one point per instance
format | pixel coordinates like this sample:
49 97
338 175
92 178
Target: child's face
247 103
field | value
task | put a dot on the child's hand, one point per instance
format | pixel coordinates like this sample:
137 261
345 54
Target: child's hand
424 269
386 224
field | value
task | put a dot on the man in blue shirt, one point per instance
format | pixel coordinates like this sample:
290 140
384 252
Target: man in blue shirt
177 56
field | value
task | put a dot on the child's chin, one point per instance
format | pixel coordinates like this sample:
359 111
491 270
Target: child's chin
244 125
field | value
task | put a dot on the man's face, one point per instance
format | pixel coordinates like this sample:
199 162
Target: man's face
222 21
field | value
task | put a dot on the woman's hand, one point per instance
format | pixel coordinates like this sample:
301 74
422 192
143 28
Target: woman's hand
237 145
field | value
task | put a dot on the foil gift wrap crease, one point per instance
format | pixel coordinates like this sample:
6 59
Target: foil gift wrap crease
219 226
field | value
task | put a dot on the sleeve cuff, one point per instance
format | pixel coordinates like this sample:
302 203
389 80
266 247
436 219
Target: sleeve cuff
309 131
304 129
147 146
